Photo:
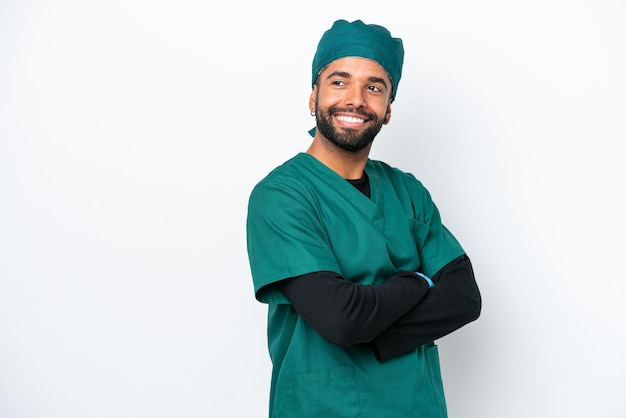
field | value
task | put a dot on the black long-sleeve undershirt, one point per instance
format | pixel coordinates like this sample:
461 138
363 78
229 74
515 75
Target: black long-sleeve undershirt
396 317
347 313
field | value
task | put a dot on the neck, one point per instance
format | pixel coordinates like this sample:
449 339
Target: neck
348 165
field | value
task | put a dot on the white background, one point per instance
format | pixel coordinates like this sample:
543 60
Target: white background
131 133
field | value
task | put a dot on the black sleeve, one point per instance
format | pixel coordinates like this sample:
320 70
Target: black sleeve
346 313
453 302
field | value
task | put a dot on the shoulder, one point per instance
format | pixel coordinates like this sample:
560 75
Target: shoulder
300 169
389 170
285 175
395 175
285 186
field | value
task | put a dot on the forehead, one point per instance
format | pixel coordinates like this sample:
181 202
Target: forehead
356 67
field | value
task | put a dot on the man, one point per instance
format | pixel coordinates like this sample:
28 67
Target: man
350 254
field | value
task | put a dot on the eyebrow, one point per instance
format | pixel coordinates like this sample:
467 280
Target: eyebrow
345 74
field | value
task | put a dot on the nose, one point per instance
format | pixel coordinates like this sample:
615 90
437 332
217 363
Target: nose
355 97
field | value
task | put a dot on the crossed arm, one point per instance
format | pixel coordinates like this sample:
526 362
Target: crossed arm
396 316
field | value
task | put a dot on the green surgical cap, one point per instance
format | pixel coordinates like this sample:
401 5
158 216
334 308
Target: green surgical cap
356 39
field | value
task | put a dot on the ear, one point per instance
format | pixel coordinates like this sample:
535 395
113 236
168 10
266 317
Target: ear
387 115
312 98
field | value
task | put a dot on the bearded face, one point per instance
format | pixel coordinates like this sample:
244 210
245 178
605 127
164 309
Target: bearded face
348 139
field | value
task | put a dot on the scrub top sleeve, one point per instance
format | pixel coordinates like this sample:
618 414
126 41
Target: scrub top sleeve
285 238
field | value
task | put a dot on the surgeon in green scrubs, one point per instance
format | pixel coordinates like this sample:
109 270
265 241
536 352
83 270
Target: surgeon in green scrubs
351 256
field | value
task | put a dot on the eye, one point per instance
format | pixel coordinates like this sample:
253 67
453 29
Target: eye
375 89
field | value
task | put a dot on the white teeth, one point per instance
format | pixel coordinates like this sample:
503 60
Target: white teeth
350 119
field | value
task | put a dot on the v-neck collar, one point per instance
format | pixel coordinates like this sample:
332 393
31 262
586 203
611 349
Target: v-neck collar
370 206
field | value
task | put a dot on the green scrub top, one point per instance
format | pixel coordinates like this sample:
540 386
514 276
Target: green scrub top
303 218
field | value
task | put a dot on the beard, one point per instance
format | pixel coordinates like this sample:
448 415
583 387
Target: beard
345 138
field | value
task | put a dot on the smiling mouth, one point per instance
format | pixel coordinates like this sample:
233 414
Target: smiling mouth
350 119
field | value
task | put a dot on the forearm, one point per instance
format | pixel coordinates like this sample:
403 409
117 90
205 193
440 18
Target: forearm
346 313
453 302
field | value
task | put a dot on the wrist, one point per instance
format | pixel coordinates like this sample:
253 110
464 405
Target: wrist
425 277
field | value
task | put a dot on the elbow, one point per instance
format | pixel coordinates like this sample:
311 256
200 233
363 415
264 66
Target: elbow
474 307
466 312
468 306
472 300
475 312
